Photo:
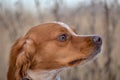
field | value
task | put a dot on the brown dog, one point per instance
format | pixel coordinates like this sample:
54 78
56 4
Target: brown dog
49 48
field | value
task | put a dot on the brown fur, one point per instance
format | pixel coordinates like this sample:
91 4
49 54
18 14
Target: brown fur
40 49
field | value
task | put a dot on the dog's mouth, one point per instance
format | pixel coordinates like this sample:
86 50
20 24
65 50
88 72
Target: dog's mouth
84 60
77 61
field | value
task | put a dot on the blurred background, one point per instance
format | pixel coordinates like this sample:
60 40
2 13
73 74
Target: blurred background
87 16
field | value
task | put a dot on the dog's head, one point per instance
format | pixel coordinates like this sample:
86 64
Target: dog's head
53 46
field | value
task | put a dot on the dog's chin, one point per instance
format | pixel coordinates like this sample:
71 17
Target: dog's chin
85 60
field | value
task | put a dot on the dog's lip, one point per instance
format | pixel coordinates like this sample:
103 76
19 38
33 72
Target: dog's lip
76 61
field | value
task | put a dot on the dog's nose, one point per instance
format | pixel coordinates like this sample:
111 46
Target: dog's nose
97 40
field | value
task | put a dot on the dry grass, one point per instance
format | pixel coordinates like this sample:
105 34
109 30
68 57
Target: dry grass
87 19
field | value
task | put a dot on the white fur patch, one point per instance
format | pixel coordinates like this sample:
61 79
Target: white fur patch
66 26
43 74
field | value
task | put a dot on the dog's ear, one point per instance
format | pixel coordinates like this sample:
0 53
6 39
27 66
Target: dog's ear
24 58
21 57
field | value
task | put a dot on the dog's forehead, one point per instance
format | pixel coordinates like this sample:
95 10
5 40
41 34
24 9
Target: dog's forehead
65 26
50 28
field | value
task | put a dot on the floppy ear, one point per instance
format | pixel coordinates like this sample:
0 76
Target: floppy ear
20 58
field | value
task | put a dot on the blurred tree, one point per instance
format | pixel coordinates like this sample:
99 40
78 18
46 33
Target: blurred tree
56 9
40 15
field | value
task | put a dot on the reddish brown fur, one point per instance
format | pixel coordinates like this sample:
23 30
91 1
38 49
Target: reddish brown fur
40 49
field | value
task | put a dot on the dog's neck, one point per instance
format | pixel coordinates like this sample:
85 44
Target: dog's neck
43 74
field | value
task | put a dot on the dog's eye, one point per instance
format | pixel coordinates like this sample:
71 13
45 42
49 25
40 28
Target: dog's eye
62 37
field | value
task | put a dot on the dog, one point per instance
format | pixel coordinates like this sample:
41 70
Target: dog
48 49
